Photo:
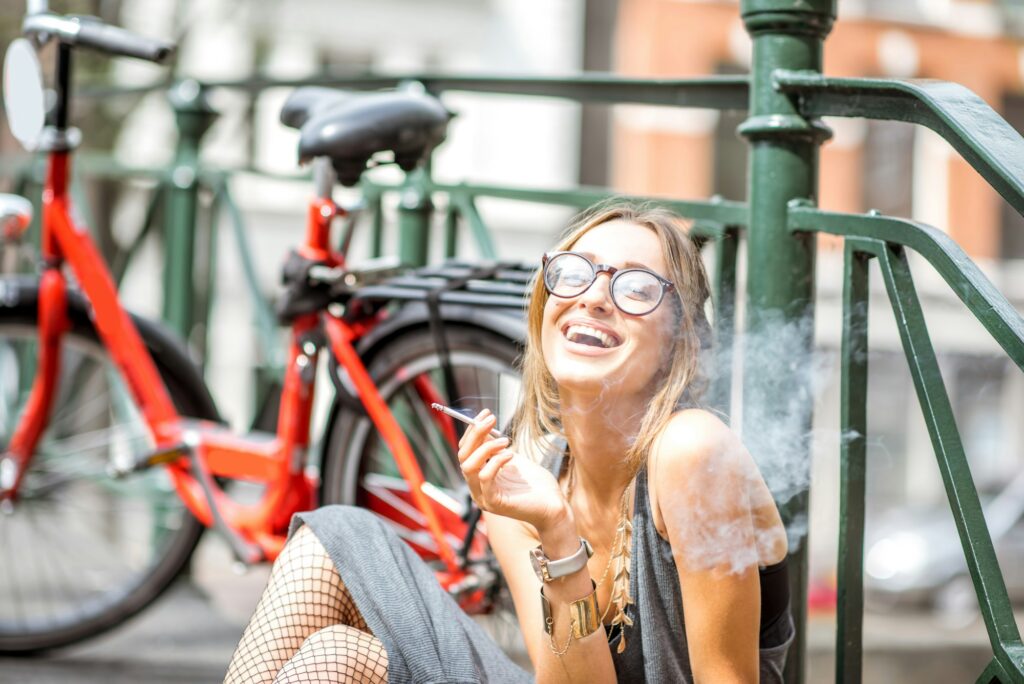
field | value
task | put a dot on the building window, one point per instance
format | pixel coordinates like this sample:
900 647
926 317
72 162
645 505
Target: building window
889 399
978 405
889 168
1012 228
730 155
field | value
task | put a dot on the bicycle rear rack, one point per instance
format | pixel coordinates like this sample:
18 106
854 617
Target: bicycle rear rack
487 284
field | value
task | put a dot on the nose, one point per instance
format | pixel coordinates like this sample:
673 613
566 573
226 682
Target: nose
598 295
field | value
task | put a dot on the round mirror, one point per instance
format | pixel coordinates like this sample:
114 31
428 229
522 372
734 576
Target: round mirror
23 92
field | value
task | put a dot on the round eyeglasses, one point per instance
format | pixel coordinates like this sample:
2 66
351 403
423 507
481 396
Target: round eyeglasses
635 291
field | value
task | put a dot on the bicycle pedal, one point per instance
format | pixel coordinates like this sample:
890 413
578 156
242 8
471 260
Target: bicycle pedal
146 461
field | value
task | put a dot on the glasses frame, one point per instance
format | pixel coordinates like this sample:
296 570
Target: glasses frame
613 273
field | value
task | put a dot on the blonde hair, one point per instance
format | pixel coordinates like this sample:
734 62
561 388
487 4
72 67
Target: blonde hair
537 418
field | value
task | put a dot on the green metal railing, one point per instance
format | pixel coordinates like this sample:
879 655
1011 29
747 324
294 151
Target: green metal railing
784 96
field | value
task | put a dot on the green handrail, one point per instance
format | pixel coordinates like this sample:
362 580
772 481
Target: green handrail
989 144
886 239
964 278
729 92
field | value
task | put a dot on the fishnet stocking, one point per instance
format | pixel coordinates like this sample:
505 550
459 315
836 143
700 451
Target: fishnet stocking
338 653
306 626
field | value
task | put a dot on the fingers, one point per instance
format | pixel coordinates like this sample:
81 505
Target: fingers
472 464
480 417
476 434
484 466
494 465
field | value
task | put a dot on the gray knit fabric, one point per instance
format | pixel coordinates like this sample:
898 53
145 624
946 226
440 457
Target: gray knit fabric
428 638
656 649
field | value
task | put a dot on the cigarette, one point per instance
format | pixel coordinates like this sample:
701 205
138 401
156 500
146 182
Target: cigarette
458 416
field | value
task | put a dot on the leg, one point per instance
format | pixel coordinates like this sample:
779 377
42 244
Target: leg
305 594
337 654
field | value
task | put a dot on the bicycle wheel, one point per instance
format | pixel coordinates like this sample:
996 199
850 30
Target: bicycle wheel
360 470
83 552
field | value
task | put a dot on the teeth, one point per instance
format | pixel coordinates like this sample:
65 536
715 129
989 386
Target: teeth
573 330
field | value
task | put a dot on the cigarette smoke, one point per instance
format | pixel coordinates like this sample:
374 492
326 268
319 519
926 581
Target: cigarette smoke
726 509
781 386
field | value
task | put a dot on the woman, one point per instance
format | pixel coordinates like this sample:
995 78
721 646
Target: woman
618 502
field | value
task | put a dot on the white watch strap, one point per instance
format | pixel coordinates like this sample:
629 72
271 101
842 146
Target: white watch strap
575 562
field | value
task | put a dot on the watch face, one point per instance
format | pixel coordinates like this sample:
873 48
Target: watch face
535 562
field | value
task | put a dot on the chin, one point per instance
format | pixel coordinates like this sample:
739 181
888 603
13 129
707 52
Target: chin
583 375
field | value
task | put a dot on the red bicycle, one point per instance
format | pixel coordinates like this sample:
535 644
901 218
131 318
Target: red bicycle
112 459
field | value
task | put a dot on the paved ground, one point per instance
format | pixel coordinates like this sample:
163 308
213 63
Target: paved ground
190 635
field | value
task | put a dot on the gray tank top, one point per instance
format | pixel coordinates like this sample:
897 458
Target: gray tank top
656 649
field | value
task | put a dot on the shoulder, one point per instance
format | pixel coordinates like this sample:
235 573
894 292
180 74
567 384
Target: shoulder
696 461
695 441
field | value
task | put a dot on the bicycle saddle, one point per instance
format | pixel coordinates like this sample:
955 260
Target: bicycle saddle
349 128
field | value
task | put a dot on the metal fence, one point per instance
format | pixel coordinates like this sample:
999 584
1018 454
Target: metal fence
785 96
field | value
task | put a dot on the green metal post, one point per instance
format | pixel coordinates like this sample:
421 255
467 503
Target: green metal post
786 34
193 115
414 212
852 466
724 298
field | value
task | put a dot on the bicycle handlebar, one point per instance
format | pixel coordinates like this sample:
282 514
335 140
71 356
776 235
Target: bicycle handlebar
93 33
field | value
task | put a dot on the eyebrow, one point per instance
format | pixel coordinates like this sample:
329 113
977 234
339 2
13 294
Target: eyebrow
628 264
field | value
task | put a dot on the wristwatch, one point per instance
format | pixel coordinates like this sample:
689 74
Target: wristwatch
548 569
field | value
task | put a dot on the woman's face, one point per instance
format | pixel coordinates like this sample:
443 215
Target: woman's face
631 349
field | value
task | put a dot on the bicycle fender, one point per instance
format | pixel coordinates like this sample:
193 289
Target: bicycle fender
21 293
507 323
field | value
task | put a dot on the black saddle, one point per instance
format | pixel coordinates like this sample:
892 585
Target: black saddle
349 128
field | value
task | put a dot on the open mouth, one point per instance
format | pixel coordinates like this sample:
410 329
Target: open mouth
592 337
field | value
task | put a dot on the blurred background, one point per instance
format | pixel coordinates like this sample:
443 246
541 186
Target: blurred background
922 622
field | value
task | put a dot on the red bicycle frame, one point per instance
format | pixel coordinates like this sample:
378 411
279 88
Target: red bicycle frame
195 453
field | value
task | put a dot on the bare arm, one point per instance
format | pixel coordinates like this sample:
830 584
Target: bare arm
523 507
586 660
721 523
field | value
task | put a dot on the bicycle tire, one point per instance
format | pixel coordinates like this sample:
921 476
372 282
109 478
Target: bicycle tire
103 604
353 450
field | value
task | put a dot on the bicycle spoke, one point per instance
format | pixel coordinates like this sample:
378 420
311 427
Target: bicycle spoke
436 450
101 510
13 583
86 441
76 542
44 533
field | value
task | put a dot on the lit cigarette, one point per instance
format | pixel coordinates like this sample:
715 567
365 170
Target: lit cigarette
458 416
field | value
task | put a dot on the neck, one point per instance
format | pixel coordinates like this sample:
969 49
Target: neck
600 433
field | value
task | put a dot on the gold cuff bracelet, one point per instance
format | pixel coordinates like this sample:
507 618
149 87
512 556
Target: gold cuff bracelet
583 614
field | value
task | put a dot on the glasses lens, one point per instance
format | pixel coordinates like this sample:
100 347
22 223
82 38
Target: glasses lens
567 275
636 292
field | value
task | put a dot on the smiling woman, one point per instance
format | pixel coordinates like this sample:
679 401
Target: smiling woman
617 503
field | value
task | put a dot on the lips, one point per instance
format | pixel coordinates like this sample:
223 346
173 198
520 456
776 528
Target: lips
590 335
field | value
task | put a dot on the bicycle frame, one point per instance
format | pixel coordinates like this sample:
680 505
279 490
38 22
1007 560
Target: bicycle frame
195 453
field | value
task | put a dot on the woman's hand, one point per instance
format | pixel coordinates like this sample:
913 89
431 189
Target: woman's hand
504 482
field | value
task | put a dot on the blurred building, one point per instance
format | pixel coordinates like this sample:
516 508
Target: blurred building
493 139
896 168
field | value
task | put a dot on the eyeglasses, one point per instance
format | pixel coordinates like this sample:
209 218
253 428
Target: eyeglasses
635 291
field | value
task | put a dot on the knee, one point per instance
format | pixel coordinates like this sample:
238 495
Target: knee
304 548
358 651
332 637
